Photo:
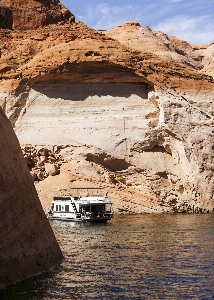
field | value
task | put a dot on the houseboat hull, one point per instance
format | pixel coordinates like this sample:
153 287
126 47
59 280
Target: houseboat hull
81 209
82 219
65 219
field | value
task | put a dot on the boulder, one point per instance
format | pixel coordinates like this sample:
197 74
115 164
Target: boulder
41 161
51 169
40 175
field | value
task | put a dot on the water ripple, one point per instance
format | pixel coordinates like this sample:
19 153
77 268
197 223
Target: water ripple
132 257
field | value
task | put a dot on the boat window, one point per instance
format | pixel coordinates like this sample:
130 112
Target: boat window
66 207
59 207
99 208
87 209
56 207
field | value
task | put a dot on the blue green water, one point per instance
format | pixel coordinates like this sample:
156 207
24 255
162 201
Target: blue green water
166 256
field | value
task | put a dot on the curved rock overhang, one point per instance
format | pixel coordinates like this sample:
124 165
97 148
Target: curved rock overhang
102 93
91 72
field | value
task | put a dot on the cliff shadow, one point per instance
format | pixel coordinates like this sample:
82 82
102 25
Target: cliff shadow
69 90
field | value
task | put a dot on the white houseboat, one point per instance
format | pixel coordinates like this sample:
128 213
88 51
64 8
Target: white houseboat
88 208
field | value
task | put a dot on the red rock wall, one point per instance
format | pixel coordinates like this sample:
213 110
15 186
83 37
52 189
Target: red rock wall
27 244
32 14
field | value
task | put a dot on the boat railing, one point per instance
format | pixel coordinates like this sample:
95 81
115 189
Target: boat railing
87 214
98 214
105 214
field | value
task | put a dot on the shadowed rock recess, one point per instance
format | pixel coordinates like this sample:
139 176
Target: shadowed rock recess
27 244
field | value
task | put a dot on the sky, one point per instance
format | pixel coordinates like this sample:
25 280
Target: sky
189 20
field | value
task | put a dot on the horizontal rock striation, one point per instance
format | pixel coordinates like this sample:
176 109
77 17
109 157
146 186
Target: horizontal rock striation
27 244
133 106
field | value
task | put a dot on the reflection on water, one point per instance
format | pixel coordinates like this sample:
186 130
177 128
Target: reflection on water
132 257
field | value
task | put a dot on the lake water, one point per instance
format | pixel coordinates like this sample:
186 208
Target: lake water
165 256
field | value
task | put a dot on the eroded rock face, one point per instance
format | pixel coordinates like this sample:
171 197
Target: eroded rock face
137 104
166 137
169 48
42 162
27 244
33 13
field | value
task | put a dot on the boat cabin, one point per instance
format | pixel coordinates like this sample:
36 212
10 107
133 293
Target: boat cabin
87 208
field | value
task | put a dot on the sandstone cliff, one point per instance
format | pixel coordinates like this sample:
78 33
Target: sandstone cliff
21 14
27 244
169 48
131 109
